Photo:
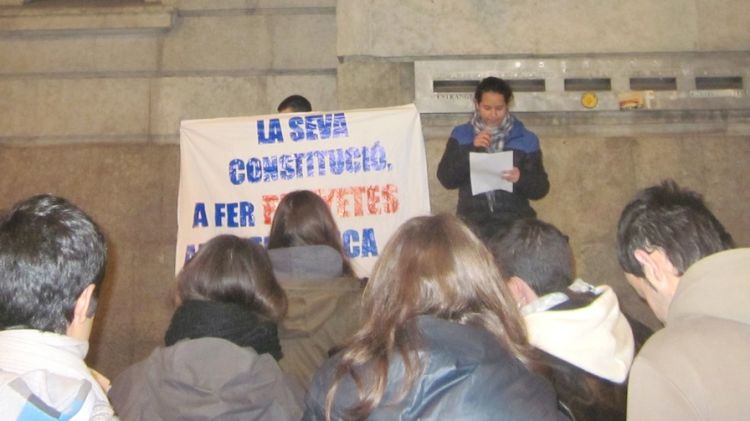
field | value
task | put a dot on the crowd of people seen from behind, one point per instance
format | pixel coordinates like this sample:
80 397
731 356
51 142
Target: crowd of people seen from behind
479 316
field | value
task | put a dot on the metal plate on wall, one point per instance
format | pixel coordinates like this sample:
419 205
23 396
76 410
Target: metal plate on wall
607 83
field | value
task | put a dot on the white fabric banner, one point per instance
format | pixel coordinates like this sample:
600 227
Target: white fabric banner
368 165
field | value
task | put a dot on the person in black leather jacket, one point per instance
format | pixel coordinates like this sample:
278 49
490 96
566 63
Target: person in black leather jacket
441 338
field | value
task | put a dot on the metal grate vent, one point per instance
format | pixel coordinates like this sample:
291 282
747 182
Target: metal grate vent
711 83
653 83
468 86
582 85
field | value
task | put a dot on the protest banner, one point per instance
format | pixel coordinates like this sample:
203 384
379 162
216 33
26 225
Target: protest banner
368 165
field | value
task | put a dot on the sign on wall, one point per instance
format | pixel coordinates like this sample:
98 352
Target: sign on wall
368 165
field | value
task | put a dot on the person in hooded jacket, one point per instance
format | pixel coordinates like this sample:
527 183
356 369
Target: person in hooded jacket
585 342
221 348
321 285
441 338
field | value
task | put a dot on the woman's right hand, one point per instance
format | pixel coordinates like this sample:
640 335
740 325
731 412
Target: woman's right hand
482 140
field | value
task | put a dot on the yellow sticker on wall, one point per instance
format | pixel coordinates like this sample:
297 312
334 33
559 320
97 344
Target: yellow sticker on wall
589 100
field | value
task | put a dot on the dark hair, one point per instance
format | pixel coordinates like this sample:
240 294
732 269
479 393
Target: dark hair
50 251
673 219
584 395
493 84
432 265
304 219
536 252
297 103
232 270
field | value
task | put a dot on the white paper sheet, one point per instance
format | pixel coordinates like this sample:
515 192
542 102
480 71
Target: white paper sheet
486 170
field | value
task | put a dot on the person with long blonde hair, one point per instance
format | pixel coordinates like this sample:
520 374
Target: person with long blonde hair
441 338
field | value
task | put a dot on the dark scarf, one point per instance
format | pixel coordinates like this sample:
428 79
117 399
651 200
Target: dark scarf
233 322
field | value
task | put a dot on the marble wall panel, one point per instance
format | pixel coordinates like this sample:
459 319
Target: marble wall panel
216 43
103 107
126 53
723 25
73 18
590 178
320 89
294 3
197 5
185 98
305 41
375 84
393 28
41 55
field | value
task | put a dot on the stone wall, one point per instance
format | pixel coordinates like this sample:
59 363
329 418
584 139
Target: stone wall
396 28
92 93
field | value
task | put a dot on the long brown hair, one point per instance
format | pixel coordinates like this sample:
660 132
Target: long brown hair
303 219
433 265
233 270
